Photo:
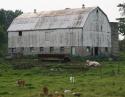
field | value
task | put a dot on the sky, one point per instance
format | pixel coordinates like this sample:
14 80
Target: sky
108 6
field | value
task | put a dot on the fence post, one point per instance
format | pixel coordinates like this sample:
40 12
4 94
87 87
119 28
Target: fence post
118 69
101 72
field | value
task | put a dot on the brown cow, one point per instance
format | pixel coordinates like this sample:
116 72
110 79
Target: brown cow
21 83
45 90
60 95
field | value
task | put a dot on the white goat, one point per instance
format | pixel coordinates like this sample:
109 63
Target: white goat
72 79
92 63
67 91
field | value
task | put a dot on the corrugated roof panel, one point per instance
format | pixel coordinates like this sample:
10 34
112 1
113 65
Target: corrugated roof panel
67 18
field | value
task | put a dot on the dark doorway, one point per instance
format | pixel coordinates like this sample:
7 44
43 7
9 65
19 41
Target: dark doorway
96 51
92 52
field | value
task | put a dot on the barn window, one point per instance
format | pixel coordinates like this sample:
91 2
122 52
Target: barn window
106 49
61 49
51 49
88 49
41 49
101 28
97 11
20 33
47 36
13 50
32 49
22 49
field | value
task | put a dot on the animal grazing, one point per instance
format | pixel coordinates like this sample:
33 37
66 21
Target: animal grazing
67 91
45 90
77 94
21 83
60 95
92 63
56 93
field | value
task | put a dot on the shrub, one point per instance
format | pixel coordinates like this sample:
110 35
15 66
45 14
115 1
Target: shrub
4 93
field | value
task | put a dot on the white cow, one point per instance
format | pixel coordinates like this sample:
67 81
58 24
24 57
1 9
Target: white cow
92 63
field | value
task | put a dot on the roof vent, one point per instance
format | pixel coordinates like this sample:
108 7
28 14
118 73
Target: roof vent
67 8
35 11
83 6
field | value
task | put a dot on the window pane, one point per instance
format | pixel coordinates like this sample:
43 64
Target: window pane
47 36
31 49
88 49
41 49
106 49
61 49
20 33
13 50
51 49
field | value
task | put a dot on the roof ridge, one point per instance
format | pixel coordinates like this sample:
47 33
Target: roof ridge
57 12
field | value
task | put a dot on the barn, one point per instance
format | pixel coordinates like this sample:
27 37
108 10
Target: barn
82 31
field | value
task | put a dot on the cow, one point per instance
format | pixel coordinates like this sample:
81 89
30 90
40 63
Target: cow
92 63
21 83
45 90
60 95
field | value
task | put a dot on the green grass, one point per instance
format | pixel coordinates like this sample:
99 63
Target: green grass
108 81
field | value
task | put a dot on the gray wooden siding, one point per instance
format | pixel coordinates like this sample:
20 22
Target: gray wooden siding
46 38
97 30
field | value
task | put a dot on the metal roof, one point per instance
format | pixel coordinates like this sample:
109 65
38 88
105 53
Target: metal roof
67 18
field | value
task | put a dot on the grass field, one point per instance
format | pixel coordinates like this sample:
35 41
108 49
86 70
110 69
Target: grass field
108 81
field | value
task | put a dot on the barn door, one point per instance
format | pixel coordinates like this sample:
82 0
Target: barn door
73 51
96 51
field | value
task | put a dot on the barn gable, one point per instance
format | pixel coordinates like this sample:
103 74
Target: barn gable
97 30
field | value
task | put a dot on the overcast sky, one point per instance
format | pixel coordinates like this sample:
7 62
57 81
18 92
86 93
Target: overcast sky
108 6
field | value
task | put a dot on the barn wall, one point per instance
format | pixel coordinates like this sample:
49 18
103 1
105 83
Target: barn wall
79 51
97 32
45 38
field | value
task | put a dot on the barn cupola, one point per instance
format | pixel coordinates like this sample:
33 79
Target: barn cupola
67 8
35 11
83 5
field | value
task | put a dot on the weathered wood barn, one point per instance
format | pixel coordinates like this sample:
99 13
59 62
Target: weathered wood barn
78 32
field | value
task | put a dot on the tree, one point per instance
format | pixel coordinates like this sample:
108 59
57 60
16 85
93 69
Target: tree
122 8
10 15
2 35
6 17
122 45
122 19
